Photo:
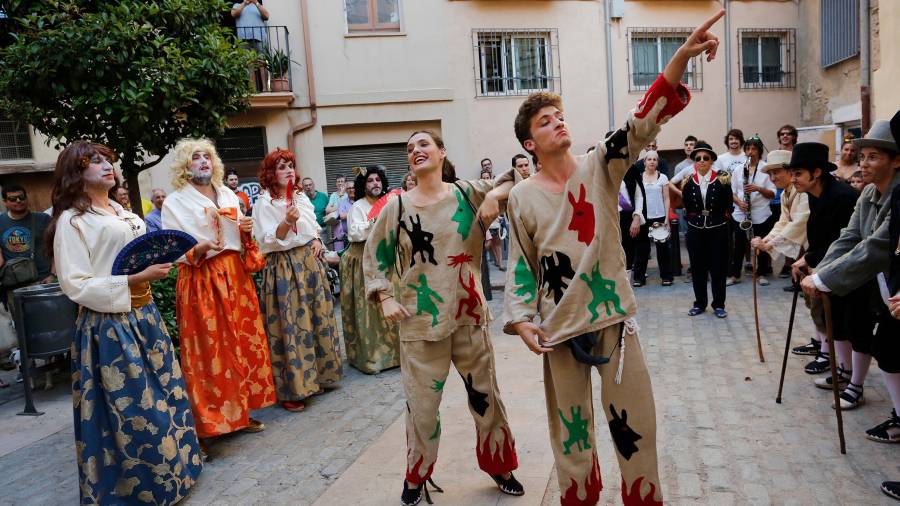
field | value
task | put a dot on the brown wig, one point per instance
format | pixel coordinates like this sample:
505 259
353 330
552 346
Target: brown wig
359 184
266 174
448 170
529 108
68 183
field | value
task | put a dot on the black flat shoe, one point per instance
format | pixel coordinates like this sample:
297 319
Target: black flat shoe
694 311
509 486
412 496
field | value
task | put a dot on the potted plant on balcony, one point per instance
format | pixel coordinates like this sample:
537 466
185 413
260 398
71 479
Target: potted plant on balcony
278 64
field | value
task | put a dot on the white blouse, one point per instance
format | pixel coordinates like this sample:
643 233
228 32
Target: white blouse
358 224
192 212
85 247
656 205
269 213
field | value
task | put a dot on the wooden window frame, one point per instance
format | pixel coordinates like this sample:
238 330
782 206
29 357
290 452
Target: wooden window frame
373 25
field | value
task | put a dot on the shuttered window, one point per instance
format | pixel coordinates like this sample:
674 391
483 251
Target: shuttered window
840 30
340 161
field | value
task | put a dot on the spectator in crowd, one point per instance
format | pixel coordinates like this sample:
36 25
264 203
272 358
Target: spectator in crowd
862 251
372 342
632 207
250 22
153 219
343 213
134 433
337 230
848 164
686 165
224 352
656 210
487 164
522 166
751 190
233 182
734 158
787 138
121 197
21 241
707 201
857 181
409 181
492 240
662 165
297 305
319 199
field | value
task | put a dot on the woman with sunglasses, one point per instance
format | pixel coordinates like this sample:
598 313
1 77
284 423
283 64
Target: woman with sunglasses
707 200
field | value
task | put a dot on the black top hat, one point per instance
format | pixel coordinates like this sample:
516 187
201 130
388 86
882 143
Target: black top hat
702 146
810 155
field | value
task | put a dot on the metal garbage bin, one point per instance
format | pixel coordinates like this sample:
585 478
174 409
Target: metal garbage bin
45 327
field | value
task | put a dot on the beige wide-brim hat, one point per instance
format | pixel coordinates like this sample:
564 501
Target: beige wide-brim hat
879 136
777 159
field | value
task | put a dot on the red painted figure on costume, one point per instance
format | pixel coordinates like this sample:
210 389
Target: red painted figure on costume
633 497
582 217
473 300
502 459
592 487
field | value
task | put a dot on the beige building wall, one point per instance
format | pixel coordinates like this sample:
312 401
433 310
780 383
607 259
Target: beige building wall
886 72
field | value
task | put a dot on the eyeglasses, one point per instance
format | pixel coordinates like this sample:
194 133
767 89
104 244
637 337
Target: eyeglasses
782 134
16 198
703 158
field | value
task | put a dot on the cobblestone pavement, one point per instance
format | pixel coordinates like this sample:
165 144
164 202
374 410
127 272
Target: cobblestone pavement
722 438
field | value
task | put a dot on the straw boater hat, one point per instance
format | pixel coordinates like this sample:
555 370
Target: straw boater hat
879 136
777 159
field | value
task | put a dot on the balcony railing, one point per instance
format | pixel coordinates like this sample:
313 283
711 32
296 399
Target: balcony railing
271 73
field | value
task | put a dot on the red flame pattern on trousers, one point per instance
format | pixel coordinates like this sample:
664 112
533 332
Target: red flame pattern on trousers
633 497
592 487
500 461
413 475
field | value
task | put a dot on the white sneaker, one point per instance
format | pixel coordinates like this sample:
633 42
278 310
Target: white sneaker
763 281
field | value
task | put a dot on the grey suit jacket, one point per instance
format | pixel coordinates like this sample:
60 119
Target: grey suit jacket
863 249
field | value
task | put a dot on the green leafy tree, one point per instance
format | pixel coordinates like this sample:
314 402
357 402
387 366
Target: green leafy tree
134 75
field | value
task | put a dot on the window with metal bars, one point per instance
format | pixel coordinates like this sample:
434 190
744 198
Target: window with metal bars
15 140
650 49
516 62
372 15
767 58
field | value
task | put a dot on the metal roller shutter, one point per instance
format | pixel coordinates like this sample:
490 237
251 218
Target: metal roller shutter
339 161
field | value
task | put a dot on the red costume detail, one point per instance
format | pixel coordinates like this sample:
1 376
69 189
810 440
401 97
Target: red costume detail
501 461
473 301
413 476
677 98
592 487
633 497
582 217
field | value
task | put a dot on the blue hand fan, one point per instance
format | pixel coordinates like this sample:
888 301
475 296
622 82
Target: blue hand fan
160 247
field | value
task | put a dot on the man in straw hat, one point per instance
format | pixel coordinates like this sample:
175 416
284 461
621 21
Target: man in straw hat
862 251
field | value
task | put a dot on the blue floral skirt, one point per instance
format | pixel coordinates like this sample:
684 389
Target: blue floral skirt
134 432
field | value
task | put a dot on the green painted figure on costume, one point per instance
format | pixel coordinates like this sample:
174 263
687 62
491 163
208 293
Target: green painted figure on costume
437 430
525 281
424 304
438 386
578 431
463 216
604 291
385 253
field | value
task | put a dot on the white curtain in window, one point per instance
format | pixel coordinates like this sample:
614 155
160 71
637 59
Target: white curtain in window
644 60
770 48
530 62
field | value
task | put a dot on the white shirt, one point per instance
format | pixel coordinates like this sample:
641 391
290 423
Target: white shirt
682 165
358 224
703 181
728 163
85 247
268 214
192 212
683 173
759 205
656 207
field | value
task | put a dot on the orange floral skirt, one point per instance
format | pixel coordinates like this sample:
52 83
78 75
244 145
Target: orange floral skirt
224 352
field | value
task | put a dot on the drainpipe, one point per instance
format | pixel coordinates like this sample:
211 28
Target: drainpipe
865 95
310 80
610 103
729 113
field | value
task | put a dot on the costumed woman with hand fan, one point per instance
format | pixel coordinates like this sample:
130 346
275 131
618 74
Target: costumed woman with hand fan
223 346
372 341
134 432
297 305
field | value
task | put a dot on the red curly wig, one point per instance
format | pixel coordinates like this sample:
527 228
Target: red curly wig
267 179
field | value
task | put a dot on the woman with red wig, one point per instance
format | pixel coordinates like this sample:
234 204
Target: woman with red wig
297 305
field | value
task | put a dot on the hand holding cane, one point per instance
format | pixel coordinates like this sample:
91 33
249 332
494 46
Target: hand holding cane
829 333
787 343
755 254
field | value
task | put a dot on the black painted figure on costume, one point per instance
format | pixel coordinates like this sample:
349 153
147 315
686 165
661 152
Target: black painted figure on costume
420 239
617 145
477 400
555 274
623 435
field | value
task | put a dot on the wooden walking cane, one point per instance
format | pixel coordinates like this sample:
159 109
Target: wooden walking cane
787 343
762 359
829 334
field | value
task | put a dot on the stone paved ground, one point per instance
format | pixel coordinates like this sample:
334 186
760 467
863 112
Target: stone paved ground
722 438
